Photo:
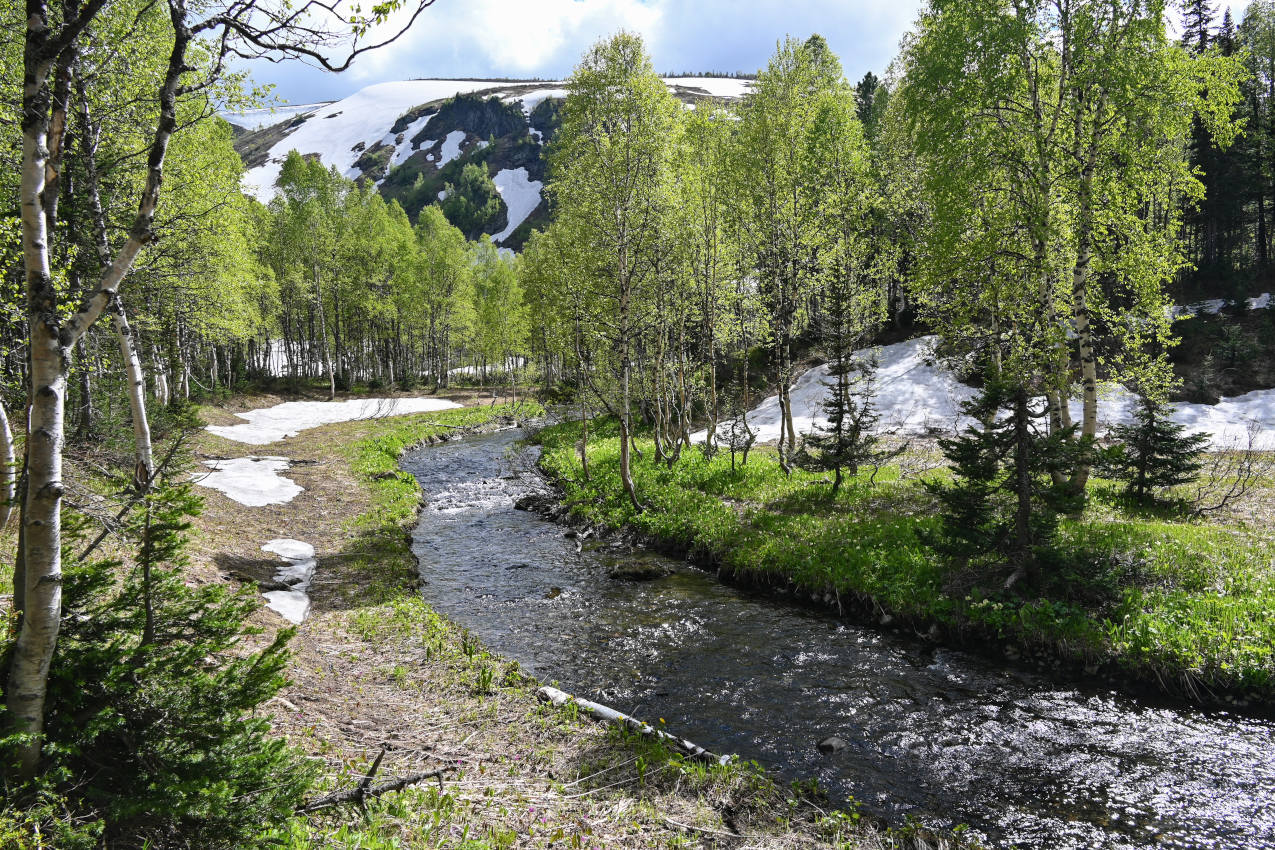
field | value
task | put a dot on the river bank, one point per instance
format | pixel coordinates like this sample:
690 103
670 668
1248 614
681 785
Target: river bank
373 666
1154 604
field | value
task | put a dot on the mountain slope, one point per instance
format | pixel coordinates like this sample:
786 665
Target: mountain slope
413 138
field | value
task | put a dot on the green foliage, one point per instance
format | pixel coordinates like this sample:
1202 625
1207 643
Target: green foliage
153 730
472 203
1003 499
1154 452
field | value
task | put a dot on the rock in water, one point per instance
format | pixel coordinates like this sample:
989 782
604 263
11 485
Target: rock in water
639 571
831 744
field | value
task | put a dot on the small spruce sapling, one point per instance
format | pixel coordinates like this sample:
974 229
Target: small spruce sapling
1153 452
155 733
849 440
1002 503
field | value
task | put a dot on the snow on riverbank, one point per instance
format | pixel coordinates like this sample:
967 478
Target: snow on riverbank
521 196
915 395
297 571
269 424
251 481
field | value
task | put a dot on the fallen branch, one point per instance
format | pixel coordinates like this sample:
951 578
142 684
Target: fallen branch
360 793
609 714
692 828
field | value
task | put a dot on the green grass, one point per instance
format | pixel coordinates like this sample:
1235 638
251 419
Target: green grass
1186 605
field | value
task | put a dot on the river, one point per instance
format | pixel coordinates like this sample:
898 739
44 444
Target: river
934 734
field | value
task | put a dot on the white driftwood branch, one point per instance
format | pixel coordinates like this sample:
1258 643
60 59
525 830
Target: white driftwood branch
619 718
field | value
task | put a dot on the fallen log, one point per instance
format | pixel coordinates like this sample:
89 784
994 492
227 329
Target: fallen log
602 712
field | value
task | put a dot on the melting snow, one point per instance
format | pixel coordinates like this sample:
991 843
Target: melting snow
521 196
333 130
1215 305
269 424
451 147
298 571
251 481
915 395
716 86
403 151
531 100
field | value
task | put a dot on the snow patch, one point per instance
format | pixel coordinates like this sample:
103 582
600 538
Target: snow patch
727 87
269 424
532 100
916 395
521 196
451 147
1215 305
268 116
251 481
403 151
297 571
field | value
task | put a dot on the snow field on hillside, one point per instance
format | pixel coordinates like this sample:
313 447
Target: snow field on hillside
297 571
269 424
407 148
336 129
715 86
915 395
521 195
268 116
251 481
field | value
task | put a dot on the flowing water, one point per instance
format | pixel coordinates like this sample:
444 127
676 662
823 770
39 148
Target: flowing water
935 734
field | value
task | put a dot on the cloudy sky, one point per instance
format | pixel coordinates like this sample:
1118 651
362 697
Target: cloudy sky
545 38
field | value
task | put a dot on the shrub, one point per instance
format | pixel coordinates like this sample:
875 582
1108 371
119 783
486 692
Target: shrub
151 733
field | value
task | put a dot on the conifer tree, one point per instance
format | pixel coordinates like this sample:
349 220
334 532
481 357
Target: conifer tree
1154 452
1003 501
849 439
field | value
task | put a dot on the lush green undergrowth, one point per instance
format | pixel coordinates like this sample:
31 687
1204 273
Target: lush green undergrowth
1183 604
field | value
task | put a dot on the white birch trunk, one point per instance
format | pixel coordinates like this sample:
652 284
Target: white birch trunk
144 465
8 469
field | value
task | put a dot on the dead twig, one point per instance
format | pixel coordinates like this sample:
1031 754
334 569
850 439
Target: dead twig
365 790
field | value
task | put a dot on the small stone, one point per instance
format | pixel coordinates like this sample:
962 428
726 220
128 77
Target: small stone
830 745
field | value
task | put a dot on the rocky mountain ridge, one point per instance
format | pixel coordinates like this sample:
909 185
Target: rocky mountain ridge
414 139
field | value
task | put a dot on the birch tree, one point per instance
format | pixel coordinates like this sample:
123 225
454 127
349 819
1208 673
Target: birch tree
610 182
197 42
1051 136
780 197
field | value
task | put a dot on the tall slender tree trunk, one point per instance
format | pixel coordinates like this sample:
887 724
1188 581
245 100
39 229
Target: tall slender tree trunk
8 469
323 334
143 462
